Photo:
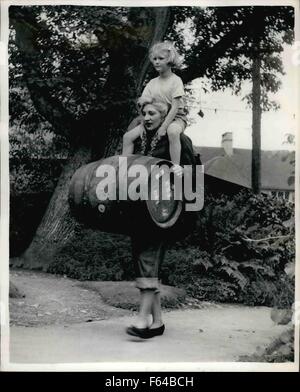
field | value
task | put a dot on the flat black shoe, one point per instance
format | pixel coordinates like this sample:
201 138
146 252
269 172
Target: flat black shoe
156 331
139 332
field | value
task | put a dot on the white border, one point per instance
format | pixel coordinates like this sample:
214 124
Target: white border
4 265
157 366
155 3
297 192
4 211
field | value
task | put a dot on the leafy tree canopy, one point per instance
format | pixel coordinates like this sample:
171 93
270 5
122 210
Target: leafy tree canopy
81 68
81 64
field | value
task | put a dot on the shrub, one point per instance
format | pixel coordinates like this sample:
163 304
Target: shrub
26 212
94 255
33 176
237 253
35 159
224 280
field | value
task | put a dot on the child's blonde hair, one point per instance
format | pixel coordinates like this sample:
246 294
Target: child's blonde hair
173 56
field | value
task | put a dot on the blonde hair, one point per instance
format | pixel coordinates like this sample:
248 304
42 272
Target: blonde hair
161 106
174 58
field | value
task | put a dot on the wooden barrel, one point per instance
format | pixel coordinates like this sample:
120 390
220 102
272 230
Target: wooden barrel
115 214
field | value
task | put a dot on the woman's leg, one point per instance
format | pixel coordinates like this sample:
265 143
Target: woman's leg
146 305
174 130
148 252
156 311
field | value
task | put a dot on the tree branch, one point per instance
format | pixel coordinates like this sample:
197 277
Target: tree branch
246 239
27 30
209 57
159 27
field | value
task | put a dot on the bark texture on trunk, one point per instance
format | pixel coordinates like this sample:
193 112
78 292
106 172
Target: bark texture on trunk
159 26
57 226
152 27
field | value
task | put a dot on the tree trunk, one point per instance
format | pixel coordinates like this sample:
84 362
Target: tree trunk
256 125
161 22
57 225
153 25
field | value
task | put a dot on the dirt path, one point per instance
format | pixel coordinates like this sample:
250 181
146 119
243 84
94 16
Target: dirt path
57 310
52 299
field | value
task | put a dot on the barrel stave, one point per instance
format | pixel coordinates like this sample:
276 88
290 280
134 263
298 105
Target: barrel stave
119 215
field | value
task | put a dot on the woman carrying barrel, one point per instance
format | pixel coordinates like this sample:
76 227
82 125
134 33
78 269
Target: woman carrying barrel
149 245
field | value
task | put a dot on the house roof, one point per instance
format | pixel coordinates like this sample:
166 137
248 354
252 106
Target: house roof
275 167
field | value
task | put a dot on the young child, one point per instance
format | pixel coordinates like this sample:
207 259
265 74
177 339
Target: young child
167 87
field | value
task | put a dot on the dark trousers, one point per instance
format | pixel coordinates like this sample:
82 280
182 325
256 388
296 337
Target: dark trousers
148 252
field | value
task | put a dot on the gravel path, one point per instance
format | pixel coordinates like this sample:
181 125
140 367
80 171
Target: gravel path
50 326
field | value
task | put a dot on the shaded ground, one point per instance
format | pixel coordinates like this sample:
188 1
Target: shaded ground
52 299
57 310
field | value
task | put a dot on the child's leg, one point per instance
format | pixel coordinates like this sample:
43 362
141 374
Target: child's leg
174 130
129 138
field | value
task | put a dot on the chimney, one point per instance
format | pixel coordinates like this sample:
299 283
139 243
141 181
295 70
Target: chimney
227 143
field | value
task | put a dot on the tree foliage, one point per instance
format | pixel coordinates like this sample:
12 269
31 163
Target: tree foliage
230 257
238 253
272 26
83 61
79 69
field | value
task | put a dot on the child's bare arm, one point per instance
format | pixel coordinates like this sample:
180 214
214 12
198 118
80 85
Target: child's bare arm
129 138
170 117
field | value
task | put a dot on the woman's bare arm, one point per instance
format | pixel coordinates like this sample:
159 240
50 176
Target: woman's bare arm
129 138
